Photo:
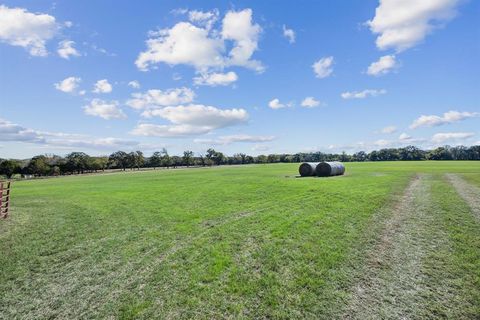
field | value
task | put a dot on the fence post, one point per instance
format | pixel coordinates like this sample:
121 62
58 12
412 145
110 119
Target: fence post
4 198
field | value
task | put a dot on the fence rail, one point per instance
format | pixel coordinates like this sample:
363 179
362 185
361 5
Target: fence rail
4 198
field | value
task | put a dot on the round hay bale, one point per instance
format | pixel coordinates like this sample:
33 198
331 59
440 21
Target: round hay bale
326 169
307 169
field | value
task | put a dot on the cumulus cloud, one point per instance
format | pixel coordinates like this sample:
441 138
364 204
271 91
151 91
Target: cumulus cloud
157 98
323 68
68 85
275 104
202 47
102 86
19 27
289 34
16 133
362 94
389 129
239 28
443 137
134 84
104 109
383 66
310 102
216 79
225 140
448 117
190 120
66 49
403 24
200 115
204 18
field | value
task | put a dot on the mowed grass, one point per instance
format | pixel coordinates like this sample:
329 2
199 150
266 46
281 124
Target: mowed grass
231 242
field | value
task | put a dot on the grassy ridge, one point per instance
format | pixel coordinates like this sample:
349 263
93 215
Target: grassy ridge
247 241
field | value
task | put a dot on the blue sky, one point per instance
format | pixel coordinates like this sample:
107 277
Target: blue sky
245 76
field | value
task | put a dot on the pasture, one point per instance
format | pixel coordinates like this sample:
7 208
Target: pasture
387 240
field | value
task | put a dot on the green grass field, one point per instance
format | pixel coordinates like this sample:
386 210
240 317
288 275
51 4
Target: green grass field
387 240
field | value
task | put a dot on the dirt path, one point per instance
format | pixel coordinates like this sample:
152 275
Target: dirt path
394 283
468 192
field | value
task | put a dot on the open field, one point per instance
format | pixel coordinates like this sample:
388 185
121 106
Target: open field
387 240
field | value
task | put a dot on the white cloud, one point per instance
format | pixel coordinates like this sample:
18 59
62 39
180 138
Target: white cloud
238 27
289 34
204 18
275 104
190 120
323 67
225 140
404 137
200 115
66 49
310 102
182 44
134 84
216 79
102 86
389 129
383 66
451 137
104 109
68 85
202 48
260 147
448 117
13 132
18 27
167 131
382 143
403 24
157 98
362 94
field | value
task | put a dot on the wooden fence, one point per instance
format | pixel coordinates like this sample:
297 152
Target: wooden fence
4 198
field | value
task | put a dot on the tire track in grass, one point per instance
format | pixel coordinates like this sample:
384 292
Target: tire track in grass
394 283
468 192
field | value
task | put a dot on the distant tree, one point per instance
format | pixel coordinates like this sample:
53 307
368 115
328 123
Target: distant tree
262 158
78 162
9 167
440 153
155 160
38 166
273 158
98 163
176 161
119 159
138 159
166 159
360 156
188 158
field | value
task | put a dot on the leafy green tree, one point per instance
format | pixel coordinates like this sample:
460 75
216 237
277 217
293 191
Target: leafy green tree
78 162
166 159
38 165
262 159
155 160
187 158
119 159
9 167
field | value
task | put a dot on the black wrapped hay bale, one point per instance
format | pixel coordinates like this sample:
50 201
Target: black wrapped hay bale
326 169
307 169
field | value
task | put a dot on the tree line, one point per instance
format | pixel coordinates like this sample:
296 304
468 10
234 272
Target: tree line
80 162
